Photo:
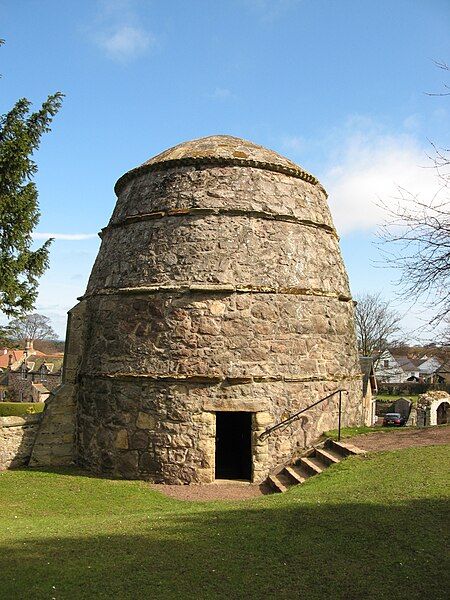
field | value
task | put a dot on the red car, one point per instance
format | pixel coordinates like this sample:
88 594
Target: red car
394 420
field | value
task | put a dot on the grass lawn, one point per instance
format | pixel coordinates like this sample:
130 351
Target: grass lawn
347 432
18 409
369 528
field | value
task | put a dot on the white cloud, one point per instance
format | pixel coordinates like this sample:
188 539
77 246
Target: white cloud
63 236
125 42
369 166
222 94
117 30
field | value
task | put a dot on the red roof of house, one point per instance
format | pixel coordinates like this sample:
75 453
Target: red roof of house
5 353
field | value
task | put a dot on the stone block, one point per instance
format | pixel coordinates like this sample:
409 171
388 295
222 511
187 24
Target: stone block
145 421
122 440
139 440
126 463
263 419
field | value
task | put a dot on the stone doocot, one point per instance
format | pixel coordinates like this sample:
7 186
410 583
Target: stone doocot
219 286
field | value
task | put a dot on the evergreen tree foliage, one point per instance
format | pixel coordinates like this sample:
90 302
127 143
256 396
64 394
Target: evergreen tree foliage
20 267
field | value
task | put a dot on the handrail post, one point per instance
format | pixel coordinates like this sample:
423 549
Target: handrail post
339 421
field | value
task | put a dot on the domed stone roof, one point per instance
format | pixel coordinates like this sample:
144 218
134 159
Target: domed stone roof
220 150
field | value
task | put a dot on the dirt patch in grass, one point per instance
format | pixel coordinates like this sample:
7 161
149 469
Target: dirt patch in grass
404 438
219 490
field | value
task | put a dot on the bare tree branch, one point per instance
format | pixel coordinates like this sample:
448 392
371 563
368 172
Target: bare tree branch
416 238
31 327
376 324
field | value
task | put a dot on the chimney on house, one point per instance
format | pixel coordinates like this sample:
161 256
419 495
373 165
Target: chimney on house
28 347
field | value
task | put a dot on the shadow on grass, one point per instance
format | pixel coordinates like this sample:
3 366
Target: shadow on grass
285 549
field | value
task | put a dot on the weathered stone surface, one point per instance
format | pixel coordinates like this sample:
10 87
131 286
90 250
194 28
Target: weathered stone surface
145 421
122 439
263 419
307 258
17 436
55 440
433 408
219 286
183 340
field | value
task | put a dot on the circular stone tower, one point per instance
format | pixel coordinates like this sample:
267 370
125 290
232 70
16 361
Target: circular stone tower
218 306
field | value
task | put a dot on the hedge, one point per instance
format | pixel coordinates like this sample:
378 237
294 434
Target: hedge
18 409
409 388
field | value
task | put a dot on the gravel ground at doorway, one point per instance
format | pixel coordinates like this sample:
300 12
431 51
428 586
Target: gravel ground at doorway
219 490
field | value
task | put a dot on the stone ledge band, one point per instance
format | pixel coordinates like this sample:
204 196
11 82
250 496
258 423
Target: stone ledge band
193 212
215 289
211 380
215 161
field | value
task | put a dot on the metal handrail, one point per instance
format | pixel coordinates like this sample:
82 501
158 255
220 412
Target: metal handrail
294 417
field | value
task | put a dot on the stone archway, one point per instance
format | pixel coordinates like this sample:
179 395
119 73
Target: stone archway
443 413
435 406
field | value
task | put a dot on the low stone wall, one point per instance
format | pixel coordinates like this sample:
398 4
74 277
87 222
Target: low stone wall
381 408
17 436
400 405
54 445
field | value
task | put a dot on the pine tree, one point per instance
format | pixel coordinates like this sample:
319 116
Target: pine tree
20 267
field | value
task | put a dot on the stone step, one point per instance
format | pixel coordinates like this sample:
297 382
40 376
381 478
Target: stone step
313 465
328 456
276 484
314 462
343 448
296 474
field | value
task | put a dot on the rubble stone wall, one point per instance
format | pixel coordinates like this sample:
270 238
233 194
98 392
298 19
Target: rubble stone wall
220 335
55 440
165 431
17 436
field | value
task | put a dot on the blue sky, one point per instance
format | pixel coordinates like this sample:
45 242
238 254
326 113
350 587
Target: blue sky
339 86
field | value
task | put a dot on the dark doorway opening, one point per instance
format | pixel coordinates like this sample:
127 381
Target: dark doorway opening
443 413
233 445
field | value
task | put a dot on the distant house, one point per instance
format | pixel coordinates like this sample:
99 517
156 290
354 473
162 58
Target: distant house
443 373
428 368
397 368
35 377
10 357
394 369
39 392
3 386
